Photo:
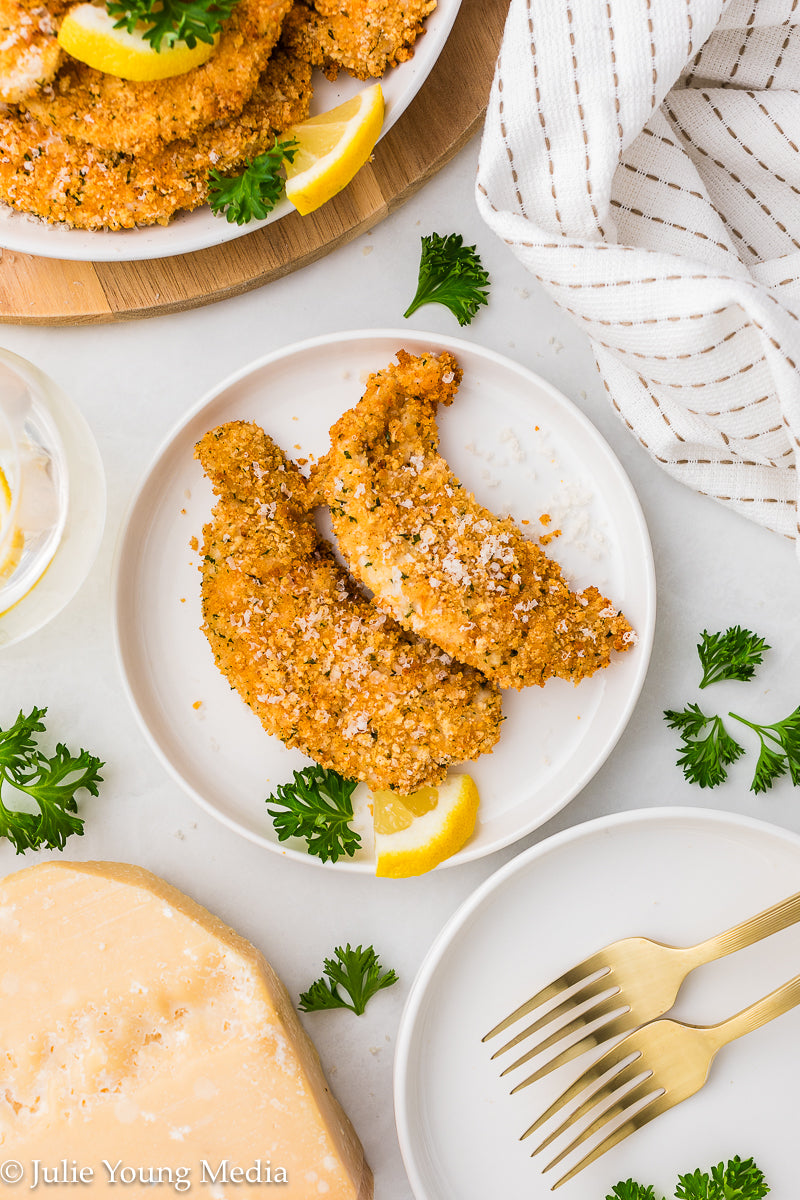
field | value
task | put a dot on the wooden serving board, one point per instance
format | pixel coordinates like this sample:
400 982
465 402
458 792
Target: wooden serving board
447 111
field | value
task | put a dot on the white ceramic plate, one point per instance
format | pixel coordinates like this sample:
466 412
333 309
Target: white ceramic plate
677 875
519 445
200 229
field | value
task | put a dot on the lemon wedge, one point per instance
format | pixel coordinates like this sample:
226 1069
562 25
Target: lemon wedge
332 148
88 34
413 834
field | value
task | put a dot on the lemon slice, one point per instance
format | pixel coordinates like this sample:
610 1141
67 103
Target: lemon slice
88 34
11 550
333 146
413 834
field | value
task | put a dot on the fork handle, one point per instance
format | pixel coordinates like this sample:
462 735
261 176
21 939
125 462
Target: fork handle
772 920
756 1015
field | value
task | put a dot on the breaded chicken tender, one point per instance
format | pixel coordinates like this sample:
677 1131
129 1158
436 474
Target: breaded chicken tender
437 560
29 52
363 37
322 668
137 118
84 148
62 180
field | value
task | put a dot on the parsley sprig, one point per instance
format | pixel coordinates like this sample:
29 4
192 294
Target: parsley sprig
703 759
735 1180
734 654
738 1180
629 1189
780 750
357 972
451 274
50 781
251 195
171 21
317 806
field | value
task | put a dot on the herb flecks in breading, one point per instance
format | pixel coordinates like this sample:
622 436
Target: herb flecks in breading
438 561
319 665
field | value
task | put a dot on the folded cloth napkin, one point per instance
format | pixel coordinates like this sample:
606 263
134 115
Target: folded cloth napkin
642 159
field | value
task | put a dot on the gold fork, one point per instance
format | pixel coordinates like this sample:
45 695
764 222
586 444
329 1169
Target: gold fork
627 984
648 1072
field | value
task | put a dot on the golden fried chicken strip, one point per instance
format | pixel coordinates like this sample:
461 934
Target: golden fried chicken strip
442 564
61 180
363 37
135 118
29 52
320 666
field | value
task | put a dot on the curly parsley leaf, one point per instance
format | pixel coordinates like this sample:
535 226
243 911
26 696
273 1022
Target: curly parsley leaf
171 21
630 1190
780 750
251 195
703 759
317 805
50 781
732 654
738 1180
735 1180
690 720
357 972
451 274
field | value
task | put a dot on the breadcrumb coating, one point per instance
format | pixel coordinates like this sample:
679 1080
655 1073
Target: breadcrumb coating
362 37
61 180
136 118
29 52
320 666
438 561
89 150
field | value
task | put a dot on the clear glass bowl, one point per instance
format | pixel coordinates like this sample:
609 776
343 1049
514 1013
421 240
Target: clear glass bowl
52 498
34 482
9 496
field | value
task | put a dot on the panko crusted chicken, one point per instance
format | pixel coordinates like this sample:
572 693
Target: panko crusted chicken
61 180
442 564
125 117
86 149
362 37
320 666
29 52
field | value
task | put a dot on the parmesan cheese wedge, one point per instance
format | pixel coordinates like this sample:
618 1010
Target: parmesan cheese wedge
146 1049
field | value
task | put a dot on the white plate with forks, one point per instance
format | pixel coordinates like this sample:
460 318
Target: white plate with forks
675 875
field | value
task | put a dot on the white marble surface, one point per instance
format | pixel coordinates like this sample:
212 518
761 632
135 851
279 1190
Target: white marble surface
133 381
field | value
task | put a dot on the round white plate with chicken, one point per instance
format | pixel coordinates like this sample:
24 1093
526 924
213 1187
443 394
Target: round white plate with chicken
522 451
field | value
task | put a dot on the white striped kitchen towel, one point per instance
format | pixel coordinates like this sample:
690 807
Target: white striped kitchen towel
642 159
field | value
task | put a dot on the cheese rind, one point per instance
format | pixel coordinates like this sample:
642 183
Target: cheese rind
139 1033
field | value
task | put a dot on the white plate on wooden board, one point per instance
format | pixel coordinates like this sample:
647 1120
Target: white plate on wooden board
197 230
521 446
676 875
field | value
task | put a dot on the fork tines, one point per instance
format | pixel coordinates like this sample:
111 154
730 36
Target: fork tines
571 982
589 996
615 1100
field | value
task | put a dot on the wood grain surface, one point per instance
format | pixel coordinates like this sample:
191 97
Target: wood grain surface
446 112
